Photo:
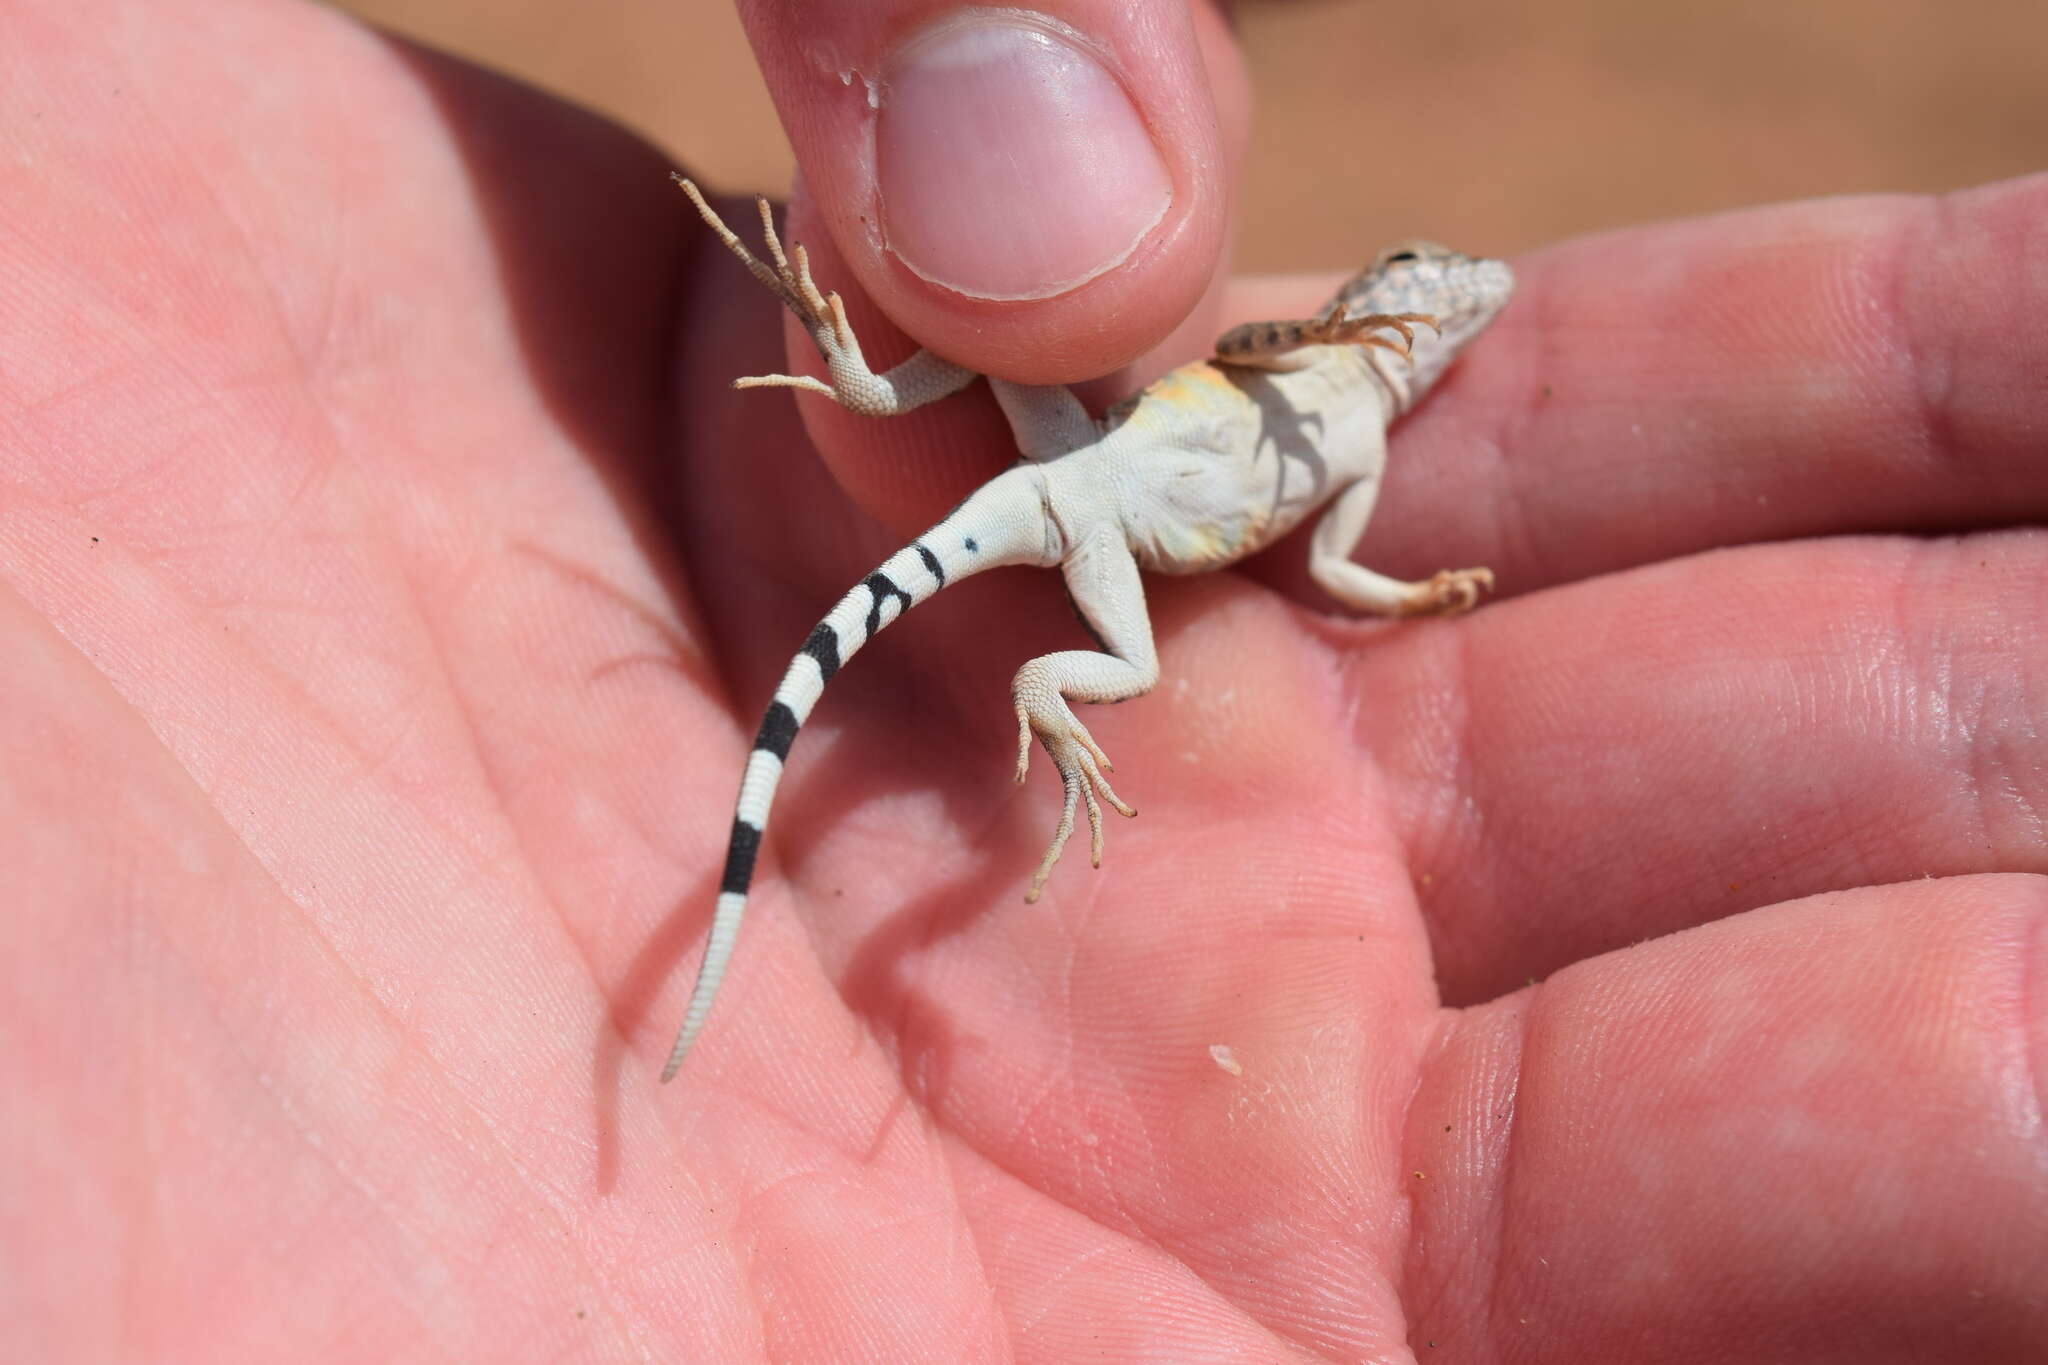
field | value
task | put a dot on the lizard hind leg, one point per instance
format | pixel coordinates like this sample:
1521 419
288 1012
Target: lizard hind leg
1102 575
822 315
921 379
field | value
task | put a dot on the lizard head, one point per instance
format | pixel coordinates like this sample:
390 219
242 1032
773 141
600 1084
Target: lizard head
1463 293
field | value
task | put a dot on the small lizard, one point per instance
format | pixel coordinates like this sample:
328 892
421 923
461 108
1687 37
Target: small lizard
1218 459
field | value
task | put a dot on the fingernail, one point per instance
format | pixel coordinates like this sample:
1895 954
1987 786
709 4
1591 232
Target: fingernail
1011 163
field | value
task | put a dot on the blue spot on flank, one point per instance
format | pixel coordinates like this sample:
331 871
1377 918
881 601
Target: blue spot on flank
971 546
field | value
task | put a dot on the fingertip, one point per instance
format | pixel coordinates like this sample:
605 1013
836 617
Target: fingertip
1038 194
1011 164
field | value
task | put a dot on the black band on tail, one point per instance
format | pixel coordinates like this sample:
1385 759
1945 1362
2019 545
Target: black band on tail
778 730
822 644
739 858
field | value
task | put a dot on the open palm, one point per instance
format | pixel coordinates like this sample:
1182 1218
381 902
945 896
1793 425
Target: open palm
391 584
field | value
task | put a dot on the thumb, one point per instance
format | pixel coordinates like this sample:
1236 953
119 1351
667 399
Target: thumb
1038 194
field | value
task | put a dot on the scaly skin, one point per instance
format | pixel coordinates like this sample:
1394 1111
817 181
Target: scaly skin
1212 463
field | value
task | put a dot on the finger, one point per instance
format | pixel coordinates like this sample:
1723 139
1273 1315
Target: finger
1845 365
1041 196
1809 1133
1670 746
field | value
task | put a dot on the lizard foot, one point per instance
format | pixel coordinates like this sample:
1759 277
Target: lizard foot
788 277
1269 344
1448 592
1081 764
1333 328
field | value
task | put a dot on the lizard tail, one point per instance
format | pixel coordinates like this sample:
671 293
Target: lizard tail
1004 522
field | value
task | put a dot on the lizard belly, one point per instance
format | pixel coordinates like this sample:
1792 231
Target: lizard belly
1221 465
1214 512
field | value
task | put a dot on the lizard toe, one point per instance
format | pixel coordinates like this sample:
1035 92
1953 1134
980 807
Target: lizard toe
1080 763
1450 592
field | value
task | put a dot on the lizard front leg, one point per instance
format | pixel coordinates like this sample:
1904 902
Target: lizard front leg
923 378
1103 579
1445 593
1274 345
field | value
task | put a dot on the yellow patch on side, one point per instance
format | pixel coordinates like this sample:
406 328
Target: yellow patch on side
1194 387
1197 547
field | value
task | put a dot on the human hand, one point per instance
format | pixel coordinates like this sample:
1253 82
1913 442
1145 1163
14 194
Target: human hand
392 584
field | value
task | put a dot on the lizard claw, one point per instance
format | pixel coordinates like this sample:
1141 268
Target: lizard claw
1334 328
787 275
1081 764
1448 592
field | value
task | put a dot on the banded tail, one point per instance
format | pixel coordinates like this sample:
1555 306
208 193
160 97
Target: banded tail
1004 522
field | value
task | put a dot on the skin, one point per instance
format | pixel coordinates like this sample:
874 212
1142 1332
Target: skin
1650 966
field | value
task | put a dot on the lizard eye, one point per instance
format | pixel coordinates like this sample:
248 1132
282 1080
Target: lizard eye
1402 257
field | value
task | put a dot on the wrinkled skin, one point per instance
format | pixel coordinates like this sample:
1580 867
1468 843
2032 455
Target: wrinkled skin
1649 966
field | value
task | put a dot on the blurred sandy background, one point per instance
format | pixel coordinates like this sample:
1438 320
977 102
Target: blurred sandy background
1496 126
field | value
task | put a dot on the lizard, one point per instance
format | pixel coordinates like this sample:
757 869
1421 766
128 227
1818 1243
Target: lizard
1214 461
